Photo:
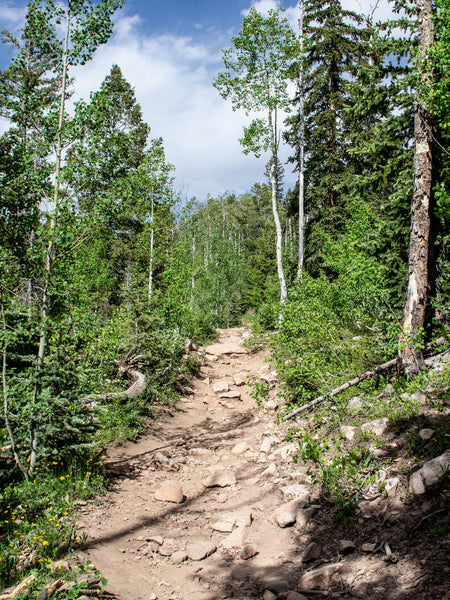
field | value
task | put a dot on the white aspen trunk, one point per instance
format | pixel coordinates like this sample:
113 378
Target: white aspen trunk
416 295
50 254
301 165
150 269
273 173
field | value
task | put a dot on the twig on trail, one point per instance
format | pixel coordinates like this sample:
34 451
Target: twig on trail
436 512
429 362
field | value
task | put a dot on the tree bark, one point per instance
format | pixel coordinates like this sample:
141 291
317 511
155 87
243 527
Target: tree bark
273 173
416 295
301 165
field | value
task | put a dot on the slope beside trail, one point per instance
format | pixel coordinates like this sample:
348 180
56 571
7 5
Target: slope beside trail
211 432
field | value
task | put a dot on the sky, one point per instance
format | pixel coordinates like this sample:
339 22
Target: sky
170 52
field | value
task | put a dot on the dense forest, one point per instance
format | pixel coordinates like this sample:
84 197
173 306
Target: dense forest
104 268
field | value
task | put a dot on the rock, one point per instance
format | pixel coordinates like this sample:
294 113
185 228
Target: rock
391 485
228 348
429 475
346 546
355 403
158 539
223 526
271 405
221 386
368 547
170 492
235 539
200 550
303 517
62 565
270 471
419 396
311 552
224 479
248 551
166 549
285 515
278 586
240 448
348 432
233 395
240 379
178 557
295 596
296 490
426 434
378 426
268 377
318 579
389 390
268 595
266 444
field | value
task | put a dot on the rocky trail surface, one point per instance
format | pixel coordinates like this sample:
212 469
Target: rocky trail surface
209 505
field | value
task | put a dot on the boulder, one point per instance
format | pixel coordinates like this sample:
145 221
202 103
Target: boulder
429 475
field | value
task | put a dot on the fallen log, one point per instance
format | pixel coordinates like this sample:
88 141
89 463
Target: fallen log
429 362
137 380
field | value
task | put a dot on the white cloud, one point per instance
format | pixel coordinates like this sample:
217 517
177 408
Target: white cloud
172 77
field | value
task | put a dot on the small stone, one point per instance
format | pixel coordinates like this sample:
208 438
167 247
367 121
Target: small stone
426 434
178 557
296 490
266 444
285 515
62 565
348 432
377 427
355 403
158 539
248 551
235 539
368 547
419 396
231 395
223 526
318 579
240 448
224 479
170 492
303 517
295 596
268 595
221 386
271 405
391 485
165 550
389 389
346 547
200 550
278 586
270 471
311 552
240 379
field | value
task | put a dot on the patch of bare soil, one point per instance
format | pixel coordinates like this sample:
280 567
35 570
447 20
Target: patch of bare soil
196 507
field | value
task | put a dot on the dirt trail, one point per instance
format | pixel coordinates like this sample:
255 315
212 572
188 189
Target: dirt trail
231 541
200 439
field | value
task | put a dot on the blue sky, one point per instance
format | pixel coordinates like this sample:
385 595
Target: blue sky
170 52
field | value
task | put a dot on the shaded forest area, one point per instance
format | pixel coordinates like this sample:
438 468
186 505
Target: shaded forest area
103 265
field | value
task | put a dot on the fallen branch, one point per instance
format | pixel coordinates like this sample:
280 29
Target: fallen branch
429 362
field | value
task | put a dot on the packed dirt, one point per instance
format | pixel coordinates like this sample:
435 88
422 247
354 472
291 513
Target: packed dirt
210 505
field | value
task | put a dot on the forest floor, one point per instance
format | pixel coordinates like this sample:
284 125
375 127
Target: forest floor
195 507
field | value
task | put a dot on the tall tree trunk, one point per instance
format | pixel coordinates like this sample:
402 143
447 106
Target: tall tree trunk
50 255
416 295
273 174
301 164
